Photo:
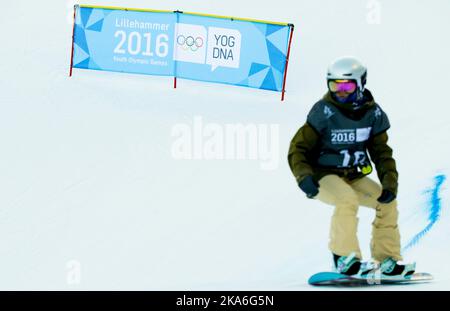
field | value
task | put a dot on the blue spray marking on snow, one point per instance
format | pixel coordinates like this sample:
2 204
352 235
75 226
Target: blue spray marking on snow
434 209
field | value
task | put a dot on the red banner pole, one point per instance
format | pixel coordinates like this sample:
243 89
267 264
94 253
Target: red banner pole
287 62
73 39
177 12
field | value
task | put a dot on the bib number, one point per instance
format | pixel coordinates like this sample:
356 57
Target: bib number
359 158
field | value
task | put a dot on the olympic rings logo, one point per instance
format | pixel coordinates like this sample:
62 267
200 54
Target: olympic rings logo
189 43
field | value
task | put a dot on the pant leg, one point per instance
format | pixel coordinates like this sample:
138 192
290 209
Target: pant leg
344 223
385 232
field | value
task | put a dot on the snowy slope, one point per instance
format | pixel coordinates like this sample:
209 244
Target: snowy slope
88 181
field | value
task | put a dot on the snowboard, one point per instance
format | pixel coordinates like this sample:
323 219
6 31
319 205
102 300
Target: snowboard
337 279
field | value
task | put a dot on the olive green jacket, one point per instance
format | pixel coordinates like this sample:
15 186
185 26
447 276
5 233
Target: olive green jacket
303 151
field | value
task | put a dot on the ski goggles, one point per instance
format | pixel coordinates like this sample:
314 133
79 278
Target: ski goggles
347 86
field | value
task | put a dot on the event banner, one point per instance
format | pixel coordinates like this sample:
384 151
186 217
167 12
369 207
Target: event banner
183 45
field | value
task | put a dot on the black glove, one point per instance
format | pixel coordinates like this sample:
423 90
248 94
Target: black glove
386 197
309 186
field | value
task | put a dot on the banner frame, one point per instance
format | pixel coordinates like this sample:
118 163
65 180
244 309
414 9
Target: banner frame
73 38
123 8
182 12
177 12
232 18
283 90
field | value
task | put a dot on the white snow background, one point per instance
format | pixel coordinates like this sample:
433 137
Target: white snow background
92 198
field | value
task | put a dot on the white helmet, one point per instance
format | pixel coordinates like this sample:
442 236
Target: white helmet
348 68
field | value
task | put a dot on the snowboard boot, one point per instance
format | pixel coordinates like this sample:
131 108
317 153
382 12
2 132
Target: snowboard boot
348 265
367 268
390 268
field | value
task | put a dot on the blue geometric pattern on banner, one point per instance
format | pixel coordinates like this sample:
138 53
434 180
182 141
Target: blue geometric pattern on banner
85 14
79 55
187 46
80 38
257 79
278 38
277 58
261 27
271 29
93 65
269 81
84 64
255 68
278 76
96 15
244 82
97 26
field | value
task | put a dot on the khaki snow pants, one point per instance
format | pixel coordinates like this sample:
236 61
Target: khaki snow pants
347 197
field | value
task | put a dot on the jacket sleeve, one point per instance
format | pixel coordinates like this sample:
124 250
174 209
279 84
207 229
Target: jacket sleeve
300 150
381 155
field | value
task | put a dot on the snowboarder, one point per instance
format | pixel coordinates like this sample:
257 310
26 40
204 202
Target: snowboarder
329 157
